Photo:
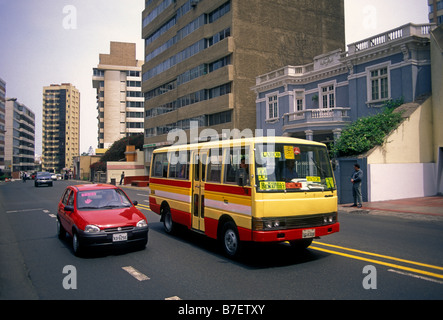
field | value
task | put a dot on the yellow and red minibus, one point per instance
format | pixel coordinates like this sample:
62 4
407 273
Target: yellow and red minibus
262 189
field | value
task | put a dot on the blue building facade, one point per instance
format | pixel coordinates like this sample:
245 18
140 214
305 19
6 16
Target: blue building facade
318 100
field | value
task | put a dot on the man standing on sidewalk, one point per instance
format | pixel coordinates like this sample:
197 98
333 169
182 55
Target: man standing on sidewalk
356 180
122 177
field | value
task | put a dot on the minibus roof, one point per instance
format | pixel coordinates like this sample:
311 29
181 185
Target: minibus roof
239 142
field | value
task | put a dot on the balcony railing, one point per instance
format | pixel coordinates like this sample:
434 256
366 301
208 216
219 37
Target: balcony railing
316 115
408 30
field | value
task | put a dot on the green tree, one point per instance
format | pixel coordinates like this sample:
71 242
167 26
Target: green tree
117 151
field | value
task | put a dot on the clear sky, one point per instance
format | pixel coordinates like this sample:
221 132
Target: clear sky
58 41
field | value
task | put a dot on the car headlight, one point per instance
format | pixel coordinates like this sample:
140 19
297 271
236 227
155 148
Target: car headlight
142 223
92 229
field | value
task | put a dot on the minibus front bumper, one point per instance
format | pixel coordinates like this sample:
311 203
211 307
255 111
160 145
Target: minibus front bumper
295 234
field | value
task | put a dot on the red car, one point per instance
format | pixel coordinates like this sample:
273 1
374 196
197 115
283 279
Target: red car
100 215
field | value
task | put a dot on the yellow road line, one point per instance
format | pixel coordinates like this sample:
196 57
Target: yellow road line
432 274
381 256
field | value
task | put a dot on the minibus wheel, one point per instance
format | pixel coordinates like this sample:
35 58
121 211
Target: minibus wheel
168 224
230 240
300 244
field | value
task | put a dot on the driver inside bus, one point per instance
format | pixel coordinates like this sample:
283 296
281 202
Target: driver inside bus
242 174
289 172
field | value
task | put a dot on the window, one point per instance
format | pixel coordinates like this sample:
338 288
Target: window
215 165
237 166
272 107
179 165
160 165
378 85
328 96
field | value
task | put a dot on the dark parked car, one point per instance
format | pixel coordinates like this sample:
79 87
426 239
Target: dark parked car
97 215
43 178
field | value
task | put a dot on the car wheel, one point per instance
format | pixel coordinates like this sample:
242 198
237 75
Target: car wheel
61 232
230 240
76 245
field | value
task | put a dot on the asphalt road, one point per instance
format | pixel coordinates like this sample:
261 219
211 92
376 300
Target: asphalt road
372 257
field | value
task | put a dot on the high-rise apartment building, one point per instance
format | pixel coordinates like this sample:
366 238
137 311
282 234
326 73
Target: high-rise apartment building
2 123
19 138
120 102
61 127
202 57
435 11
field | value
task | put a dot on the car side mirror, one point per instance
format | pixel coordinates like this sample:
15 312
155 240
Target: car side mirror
135 202
69 208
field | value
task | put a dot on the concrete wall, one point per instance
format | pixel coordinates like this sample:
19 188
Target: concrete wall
400 181
404 167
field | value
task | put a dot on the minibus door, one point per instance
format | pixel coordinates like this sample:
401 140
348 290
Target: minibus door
198 190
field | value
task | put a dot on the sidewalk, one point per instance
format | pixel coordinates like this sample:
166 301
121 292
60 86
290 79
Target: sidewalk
432 206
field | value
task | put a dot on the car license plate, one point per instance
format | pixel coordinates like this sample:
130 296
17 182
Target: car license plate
119 237
308 233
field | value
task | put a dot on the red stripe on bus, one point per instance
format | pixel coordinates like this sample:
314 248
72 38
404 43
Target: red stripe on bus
242 191
171 182
181 217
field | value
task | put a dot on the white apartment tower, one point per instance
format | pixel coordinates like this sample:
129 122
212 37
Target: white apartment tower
120 102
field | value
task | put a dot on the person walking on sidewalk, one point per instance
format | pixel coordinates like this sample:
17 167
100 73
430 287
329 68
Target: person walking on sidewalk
356 180
122 177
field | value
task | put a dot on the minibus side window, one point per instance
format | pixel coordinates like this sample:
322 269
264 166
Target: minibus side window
179 165
214 165
160 165
237 166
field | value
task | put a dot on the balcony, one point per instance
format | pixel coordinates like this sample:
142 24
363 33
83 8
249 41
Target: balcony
408 30
311 118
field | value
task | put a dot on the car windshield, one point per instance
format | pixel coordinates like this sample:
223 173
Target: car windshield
43 175
285 167
102 199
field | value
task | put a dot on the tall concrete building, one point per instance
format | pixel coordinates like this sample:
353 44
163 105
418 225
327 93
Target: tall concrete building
19 138
120 102
61 127
435 11
2 123
202 57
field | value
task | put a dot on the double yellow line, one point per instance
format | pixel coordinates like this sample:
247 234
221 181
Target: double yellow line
143 206
315 246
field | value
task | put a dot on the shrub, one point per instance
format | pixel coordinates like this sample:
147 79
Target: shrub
368 132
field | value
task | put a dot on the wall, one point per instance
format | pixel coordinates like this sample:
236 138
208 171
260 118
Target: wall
403 166
133 168
412 141
400 181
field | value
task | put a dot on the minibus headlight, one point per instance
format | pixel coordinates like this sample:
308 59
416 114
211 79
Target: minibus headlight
267 224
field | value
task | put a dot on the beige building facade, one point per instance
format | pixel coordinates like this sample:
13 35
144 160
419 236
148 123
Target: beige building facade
202 57
120 103
61 127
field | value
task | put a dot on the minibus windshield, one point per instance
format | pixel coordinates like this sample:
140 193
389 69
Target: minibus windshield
283 167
